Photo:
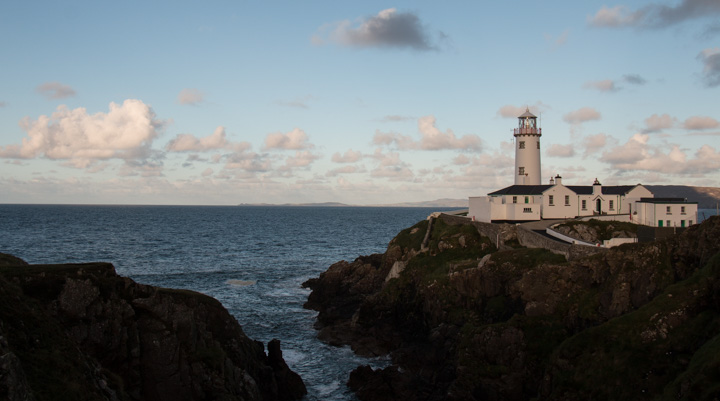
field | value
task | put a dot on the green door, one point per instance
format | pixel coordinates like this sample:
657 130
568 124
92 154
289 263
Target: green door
660 223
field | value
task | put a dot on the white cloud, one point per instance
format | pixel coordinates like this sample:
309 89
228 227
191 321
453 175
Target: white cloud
217 140
434 139
350 156
207 172
594 143
606 85
55 90
582 115
249 162
190 96
389 28
293 140
344 170
656 123
617 16
301 159
510 111
638 155
700 123
461 160
557 150
125 132
431 138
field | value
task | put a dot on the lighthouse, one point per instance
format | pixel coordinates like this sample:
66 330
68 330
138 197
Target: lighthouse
527 150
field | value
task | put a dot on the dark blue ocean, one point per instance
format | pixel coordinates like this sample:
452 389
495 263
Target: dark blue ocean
252 259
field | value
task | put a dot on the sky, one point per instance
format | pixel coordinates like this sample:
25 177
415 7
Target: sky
230 102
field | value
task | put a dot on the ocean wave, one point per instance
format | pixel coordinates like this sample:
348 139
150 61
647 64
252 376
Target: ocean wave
241 283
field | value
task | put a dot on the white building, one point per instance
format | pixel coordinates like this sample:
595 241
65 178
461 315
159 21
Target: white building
528 200
665 212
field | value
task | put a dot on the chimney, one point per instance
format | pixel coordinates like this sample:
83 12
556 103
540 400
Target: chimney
558 180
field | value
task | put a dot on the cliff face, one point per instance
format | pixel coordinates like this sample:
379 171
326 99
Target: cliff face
464 321
81 332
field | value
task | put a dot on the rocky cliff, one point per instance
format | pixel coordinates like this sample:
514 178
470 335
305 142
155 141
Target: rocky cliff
463 320
81 332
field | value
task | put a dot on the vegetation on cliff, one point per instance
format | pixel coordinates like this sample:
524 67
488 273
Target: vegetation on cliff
463 320
81 332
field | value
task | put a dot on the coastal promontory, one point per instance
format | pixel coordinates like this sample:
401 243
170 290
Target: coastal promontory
479 311
81 332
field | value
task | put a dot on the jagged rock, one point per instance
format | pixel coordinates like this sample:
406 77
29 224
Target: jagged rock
526 324
115 339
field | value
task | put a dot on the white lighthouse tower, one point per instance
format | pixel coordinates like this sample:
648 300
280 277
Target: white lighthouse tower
527 150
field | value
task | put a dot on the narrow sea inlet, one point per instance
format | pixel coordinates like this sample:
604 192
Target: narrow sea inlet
252 259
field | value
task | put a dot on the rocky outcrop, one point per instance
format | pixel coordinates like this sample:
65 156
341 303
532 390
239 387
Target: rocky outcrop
465 321
595 231
81 332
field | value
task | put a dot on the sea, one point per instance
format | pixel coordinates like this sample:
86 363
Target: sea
253 259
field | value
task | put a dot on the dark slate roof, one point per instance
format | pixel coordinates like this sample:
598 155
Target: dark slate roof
617 190
522 190
578 189
581 189
665 200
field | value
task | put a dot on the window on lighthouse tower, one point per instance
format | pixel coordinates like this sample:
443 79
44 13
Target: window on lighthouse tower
521 145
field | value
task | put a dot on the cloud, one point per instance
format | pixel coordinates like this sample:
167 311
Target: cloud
207 172
141 168
216 140
558 41
510 111
344 170
3 104
711 66
434 139
293 140
301 159
190 96
125 132
700 123
388 28
55 90
557 150
654 15
350 156
656 123
606 85
431 138
250 162
301 103
614 17
395 118
638 155
634 79
594 143
581 115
